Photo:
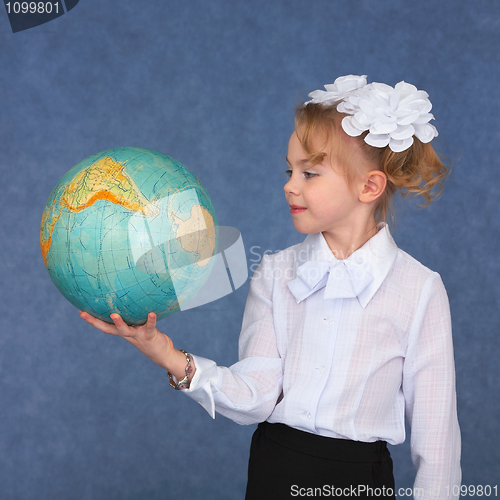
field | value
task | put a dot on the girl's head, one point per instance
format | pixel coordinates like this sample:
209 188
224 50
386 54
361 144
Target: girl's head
321 197
327 126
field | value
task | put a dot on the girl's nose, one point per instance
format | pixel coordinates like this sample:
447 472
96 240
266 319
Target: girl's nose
291 187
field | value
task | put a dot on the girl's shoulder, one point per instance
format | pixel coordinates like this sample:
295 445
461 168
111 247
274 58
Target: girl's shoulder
287 256
411 264
404 259
280 258
276 264
411 274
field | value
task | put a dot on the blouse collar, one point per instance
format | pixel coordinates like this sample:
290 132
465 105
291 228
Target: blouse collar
377 255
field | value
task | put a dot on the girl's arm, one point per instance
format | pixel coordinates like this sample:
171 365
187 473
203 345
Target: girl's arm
247 391
429 389
152 343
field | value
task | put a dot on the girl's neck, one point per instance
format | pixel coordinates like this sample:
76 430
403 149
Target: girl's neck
344 243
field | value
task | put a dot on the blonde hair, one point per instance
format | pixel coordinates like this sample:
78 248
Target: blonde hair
418 171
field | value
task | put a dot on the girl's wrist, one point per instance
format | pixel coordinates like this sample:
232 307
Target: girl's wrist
183 382
177 364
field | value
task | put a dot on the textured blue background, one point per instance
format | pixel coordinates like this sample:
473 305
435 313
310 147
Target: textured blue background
213 84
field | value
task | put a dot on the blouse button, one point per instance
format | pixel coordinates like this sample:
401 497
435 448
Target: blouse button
330 320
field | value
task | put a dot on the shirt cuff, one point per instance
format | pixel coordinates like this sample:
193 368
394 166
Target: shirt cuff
200 389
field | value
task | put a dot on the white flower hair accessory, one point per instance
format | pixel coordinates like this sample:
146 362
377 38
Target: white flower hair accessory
337 90
392 115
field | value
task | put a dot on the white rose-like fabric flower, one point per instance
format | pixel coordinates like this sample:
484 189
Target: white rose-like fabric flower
392 115
340 89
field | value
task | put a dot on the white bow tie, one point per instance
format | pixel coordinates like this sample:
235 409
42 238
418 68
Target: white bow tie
342 279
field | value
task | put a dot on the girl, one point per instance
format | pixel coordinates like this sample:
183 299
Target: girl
344 334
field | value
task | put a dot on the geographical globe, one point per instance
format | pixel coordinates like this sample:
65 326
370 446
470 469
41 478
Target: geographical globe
129 231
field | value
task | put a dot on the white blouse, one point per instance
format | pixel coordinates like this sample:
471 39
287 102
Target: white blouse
346 348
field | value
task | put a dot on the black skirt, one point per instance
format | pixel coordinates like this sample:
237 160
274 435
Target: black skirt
289 463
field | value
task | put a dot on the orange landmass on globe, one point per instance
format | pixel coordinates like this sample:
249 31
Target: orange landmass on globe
197 233
103 180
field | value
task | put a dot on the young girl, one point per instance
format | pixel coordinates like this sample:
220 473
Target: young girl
344 334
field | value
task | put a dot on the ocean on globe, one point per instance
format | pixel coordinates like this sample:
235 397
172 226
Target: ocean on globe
129 231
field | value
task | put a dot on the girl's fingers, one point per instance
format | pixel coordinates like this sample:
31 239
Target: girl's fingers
117 320
135 332
151 322
120 328
97 323
123 329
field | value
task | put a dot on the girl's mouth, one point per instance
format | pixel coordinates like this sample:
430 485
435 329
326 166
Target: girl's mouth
295 209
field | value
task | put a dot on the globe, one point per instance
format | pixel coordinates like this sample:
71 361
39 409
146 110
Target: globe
129 231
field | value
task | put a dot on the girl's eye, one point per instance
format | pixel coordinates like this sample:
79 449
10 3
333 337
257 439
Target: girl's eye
307 175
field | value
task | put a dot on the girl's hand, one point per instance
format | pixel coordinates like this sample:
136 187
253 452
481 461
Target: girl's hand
152 343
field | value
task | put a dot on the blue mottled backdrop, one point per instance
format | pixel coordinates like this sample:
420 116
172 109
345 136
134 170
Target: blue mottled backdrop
84 416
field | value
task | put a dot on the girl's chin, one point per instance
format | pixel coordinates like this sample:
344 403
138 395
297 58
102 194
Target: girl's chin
304 229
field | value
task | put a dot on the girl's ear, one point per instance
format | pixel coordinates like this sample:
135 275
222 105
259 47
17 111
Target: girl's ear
373 186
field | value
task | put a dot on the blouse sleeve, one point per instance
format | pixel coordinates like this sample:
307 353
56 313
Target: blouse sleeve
247 391
429 389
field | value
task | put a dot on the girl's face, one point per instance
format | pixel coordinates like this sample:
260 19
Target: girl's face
319 197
